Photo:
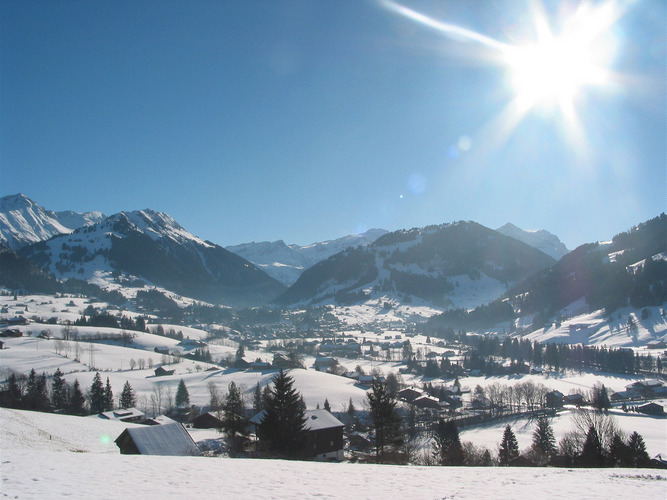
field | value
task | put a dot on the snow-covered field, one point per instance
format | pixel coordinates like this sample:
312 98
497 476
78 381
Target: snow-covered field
75 457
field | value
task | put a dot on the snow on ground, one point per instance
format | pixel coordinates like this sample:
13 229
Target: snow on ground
73 457
652 429
597 329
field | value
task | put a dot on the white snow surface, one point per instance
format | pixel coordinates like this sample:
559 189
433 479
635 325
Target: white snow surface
22 221
54 456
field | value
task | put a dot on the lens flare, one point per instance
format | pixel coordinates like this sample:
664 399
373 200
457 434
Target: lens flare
551 72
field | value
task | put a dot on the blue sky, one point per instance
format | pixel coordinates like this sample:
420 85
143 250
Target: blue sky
310 120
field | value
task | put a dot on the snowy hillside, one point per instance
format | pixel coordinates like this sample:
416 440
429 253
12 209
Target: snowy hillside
50 456
23 222
153 247
286 262
542 240
462 264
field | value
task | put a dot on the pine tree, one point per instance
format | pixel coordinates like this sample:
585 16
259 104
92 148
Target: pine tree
386 420
182 395
97 395
637 451
619 452
108 397
76 400
351 413
14 392
448 448
592 453
37 396
127 397
509 448
257 401
600 398
327 406
544 442
283 428
59 391
233 422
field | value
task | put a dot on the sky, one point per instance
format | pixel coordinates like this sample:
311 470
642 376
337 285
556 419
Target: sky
306 121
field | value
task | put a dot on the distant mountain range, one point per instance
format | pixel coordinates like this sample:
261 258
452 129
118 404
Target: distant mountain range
286 262
460 265
23 222
542 240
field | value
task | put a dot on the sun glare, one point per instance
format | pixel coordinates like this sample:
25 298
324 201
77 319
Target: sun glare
555 69
569 54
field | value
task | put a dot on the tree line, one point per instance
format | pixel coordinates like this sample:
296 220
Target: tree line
33 392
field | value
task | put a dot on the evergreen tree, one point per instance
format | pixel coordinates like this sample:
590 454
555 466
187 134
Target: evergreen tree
592 453
108 397
15 394
97 395
37 396
448 448
257 404
351 414
619 452
386 421
600 397
127 397
76 400
544 442
233 422
509 448
327 406
283 428
182 395
59 391
637 451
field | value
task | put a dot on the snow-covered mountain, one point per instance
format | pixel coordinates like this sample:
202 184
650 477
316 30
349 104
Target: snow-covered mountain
286 262
462 264
541 239
154 248
22 221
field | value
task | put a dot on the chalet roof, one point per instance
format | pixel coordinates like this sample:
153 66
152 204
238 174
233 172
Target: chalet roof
168 439
321 419
123 414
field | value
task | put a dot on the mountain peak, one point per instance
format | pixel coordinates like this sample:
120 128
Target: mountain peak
541 239
15 202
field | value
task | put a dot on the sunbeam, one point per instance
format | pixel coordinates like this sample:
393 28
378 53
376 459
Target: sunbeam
551 73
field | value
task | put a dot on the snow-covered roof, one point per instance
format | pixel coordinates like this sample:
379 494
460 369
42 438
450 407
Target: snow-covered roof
315 420
123 414
321 419
168 439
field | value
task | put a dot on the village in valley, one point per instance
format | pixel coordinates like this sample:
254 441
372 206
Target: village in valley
204 389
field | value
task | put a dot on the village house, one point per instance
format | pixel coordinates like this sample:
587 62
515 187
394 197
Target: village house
168 439
649 388
652 409
124 415
161 372
324 436
207 420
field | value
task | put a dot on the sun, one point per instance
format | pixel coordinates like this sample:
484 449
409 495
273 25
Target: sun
555 70
552 73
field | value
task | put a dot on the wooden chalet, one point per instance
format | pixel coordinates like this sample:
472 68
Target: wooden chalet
161 372
168 439
124 415
206 420
324 436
